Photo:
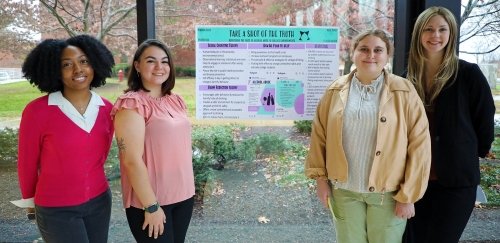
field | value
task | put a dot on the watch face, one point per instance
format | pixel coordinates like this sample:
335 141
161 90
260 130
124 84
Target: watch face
153 208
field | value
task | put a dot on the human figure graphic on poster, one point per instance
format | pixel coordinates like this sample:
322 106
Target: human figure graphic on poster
269 99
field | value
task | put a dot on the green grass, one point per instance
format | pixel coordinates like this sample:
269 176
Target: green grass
490 181
15 96
496 91
185 87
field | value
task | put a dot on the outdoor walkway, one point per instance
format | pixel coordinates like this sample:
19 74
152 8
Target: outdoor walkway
231 213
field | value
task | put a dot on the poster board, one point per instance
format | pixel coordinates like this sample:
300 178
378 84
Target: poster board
263 72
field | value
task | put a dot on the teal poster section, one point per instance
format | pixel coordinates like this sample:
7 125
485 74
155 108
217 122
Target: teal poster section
267 34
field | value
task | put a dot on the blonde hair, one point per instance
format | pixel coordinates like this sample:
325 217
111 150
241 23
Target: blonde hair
373 32
448 68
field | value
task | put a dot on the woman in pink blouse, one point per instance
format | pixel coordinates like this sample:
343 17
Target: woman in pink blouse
153 133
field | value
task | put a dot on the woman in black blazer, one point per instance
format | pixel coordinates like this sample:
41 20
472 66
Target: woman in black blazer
460 109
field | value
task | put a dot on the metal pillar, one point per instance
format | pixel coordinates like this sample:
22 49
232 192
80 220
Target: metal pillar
406 12
145 20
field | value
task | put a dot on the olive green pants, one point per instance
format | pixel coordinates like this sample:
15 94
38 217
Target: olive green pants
366 217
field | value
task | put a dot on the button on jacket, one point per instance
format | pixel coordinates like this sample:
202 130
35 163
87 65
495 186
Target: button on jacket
403 148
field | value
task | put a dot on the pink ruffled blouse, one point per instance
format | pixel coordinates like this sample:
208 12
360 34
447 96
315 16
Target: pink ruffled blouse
167 147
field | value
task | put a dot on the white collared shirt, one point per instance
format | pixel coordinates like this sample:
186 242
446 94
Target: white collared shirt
85 121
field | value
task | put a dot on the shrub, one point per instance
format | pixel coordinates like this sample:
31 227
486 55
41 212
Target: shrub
246 150
216 142
303 126
213 146
490 182
203 173
271 144
185 71
8 146
112 165
495 148
260 145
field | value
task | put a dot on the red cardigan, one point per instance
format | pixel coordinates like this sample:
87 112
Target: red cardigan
59 163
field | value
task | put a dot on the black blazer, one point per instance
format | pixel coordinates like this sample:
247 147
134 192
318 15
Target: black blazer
464 127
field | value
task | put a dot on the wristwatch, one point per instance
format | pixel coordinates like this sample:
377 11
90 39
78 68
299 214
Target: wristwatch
152 208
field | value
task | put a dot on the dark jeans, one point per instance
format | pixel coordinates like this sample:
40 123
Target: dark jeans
178 218
85 223
441 215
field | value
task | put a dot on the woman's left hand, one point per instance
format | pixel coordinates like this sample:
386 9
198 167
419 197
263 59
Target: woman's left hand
154 222
404 210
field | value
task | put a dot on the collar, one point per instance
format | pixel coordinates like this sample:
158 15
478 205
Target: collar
391 82
374 84
56 98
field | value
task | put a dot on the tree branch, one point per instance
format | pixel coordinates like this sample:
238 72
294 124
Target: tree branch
52 10
482 52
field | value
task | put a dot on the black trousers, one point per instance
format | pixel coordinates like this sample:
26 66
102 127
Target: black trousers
178 219
88 222
441 215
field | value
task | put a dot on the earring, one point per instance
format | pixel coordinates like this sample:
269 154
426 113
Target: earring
138 74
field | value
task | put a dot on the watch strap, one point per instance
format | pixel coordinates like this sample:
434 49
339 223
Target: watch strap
152 208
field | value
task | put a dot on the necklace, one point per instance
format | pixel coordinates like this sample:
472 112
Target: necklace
81 107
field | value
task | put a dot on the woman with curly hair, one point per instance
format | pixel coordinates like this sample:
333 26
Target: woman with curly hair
64 140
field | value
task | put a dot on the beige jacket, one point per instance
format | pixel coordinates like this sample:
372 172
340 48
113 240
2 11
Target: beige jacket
403 147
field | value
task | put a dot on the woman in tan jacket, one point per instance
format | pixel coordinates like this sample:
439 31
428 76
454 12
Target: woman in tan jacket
370 147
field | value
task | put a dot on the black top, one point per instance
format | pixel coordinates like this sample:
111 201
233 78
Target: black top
463 123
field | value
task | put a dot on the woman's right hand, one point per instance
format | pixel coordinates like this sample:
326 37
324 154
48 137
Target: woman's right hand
154 222
323 191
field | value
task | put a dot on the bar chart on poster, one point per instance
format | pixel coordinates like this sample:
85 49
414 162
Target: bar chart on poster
263 72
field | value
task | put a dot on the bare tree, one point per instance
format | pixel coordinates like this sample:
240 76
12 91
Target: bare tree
18 26
351 17
480 23
87 16
111 21
176 19
114 21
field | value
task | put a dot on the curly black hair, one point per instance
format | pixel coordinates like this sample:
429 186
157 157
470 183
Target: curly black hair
134 79
42 67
